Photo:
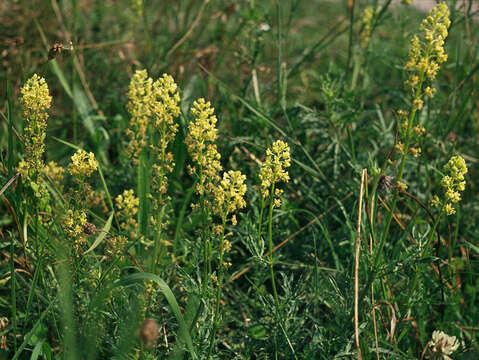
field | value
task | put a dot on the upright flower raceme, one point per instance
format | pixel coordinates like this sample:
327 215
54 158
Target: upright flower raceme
127 204
83 164
155 104
453 184
426 53
274 169
202 133
366 23
229 195
35 100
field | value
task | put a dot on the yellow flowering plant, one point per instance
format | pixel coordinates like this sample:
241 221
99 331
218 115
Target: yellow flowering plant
273 171
453 183
153 106
36 100
426 53
229 197
200 140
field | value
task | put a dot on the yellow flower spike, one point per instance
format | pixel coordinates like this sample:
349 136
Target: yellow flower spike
36 100
366 23
202 133
83 164
426 52
154 102
453 183
35 97
229 195
274 167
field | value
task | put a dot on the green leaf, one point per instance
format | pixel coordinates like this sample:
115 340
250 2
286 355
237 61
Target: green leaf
258 332
165 289
37 350
102 235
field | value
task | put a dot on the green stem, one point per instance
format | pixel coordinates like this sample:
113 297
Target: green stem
161 206
270 243
401 170
433 230
260 221
13 299
218 289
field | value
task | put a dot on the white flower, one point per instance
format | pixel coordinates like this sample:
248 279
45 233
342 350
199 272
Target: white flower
443 344
264 27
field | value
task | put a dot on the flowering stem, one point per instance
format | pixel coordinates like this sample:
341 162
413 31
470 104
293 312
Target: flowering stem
203 230
260 221
161 205
401 170
270 242
218 288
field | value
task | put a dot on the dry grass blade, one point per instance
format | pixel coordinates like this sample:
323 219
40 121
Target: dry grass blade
356 265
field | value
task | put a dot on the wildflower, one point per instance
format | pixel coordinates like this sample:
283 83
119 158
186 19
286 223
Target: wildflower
74 222
83 164
136 7
200 139
35 100
443 345
274 167
399 147
419 130
415 151
127 203
154 102
229 195
401 186
426 53
453 183
54 172
435 202
417 104
366 22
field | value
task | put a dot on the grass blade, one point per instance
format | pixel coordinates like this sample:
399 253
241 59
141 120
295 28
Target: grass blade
102 234
170 297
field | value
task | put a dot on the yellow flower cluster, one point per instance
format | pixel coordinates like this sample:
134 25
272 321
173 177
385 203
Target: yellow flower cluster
36 101
366 25
427 52
35 98
274 169
453 183
83 164
74 222
127 203
155 102
200 139
136 7
229 195
55 172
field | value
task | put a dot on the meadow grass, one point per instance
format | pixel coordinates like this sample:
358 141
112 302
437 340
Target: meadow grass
238 179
